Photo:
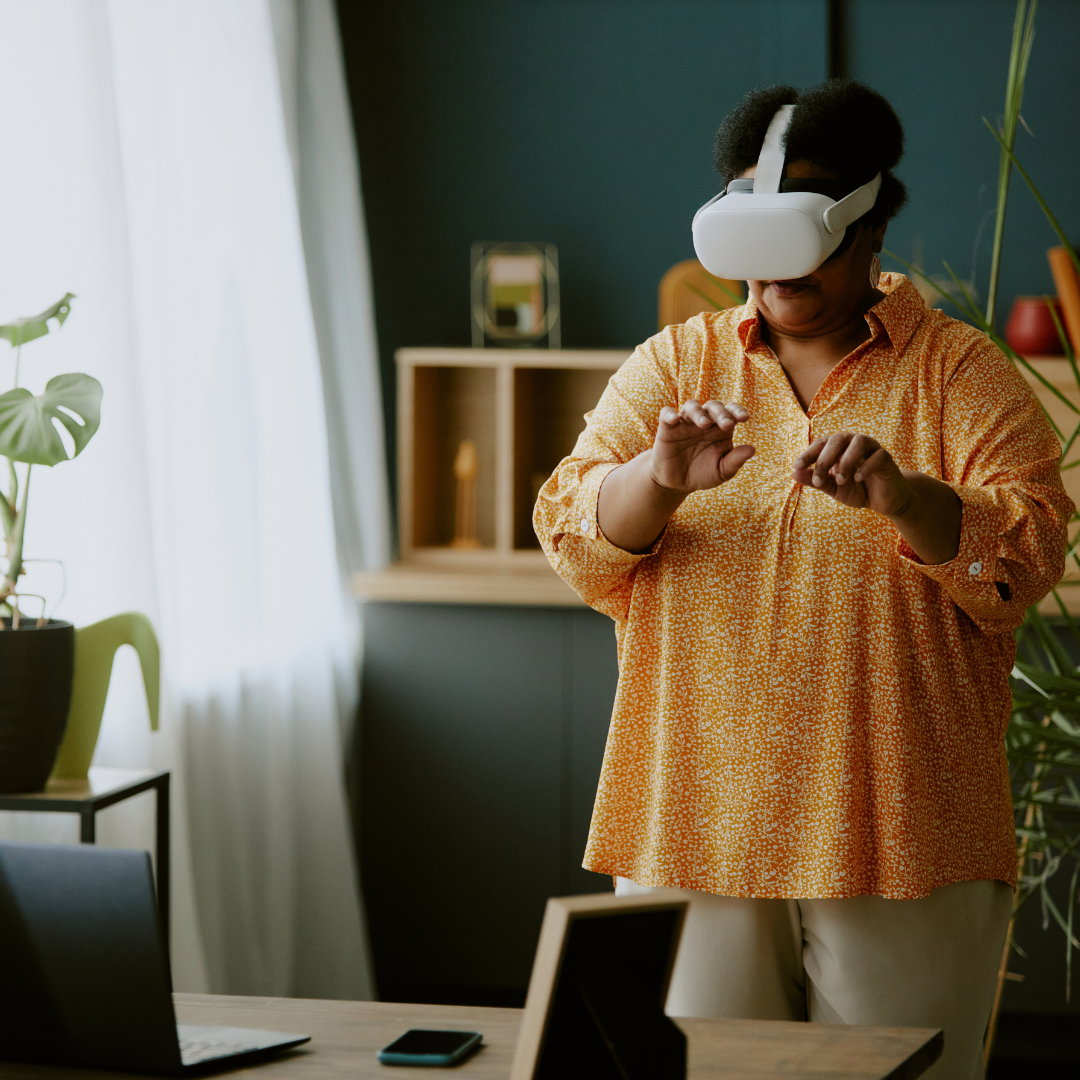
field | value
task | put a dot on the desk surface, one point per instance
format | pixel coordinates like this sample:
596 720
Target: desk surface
347 1034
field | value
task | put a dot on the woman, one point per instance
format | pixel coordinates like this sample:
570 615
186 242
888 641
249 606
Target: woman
816 520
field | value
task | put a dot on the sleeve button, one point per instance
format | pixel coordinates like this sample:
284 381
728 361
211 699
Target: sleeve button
975 568
584 526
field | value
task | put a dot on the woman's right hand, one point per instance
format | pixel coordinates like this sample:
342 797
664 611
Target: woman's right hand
694 450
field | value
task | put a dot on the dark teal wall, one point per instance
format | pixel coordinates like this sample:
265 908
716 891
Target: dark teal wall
589 123
586 123
943 64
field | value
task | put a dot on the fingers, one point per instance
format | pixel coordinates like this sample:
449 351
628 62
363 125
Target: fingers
734 460
804 463
724 416
695 414
830 454
809 455
713 413
878 462
858 450
833 461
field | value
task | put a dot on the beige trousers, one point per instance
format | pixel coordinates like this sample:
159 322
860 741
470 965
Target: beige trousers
863 960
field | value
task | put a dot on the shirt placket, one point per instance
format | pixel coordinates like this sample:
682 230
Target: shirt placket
798 430
802 435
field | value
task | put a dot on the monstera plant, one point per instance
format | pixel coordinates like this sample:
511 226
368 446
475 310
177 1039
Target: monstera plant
37 657
29 435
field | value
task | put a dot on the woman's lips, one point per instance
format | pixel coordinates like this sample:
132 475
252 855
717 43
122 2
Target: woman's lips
790 288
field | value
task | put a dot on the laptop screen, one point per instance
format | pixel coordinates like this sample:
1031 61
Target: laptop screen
85 978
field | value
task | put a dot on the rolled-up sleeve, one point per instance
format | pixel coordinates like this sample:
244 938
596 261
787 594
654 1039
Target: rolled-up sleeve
621 426
1000 455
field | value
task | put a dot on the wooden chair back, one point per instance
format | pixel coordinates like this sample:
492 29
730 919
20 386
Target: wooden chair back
681 290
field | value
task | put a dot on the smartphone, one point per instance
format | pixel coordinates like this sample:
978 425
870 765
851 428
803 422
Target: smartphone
421 1047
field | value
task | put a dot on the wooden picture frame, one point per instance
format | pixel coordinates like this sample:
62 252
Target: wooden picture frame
595 1007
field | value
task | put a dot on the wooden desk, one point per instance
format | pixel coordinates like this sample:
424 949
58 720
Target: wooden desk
345 1036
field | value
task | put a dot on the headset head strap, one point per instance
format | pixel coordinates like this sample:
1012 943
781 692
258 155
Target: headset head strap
770 164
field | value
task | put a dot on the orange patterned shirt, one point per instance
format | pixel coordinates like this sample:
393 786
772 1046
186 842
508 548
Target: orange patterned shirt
804 708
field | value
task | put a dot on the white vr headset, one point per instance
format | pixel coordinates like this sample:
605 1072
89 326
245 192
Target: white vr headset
753 231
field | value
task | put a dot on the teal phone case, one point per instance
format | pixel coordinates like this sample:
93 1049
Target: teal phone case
391 1057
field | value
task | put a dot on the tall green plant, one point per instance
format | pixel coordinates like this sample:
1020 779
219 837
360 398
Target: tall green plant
1043 736
1019 54
30 429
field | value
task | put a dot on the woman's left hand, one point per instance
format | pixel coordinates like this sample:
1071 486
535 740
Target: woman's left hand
857 472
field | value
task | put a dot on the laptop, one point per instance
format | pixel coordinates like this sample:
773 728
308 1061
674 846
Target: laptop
84 970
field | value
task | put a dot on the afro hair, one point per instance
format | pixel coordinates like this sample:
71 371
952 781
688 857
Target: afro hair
841 126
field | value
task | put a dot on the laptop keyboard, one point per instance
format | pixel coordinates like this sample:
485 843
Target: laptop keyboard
199 1046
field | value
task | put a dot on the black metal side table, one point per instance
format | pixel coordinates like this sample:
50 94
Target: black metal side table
104 787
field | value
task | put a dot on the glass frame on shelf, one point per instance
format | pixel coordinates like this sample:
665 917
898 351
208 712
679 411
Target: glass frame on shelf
515 295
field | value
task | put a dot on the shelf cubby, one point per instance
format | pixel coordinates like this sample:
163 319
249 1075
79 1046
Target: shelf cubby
451 404
549 414
523 409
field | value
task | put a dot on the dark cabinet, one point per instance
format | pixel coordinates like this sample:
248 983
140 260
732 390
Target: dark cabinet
480 743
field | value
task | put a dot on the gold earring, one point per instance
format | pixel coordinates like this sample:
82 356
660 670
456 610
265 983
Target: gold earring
875 271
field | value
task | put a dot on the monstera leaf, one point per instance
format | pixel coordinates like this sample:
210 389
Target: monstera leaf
26 329
27 432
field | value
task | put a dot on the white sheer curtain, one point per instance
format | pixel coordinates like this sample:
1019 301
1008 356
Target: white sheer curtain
327 175
148 172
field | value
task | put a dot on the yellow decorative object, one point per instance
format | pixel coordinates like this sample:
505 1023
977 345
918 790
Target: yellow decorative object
466 466
95 649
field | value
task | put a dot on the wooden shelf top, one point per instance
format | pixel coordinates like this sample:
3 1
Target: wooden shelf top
530 585
538 358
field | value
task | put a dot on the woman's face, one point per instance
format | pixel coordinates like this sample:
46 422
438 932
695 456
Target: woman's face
834 294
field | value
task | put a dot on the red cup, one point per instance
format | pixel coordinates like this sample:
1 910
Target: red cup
1030 329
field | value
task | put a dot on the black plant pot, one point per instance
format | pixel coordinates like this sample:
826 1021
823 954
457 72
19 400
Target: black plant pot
36 670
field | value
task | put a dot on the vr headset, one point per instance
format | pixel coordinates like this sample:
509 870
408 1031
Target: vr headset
765 229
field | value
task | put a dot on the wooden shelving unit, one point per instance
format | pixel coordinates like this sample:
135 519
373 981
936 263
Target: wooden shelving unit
523 409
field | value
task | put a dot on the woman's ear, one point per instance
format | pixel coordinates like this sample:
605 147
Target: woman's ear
877 237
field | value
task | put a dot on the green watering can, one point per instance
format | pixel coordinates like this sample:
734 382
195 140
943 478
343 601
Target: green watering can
95 648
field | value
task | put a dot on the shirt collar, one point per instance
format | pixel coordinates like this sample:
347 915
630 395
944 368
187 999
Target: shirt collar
900 313
749 333
897 316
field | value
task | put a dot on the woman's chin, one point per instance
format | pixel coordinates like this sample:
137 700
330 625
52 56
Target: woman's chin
793 305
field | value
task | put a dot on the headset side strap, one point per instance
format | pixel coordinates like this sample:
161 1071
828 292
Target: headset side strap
852 207
770 164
